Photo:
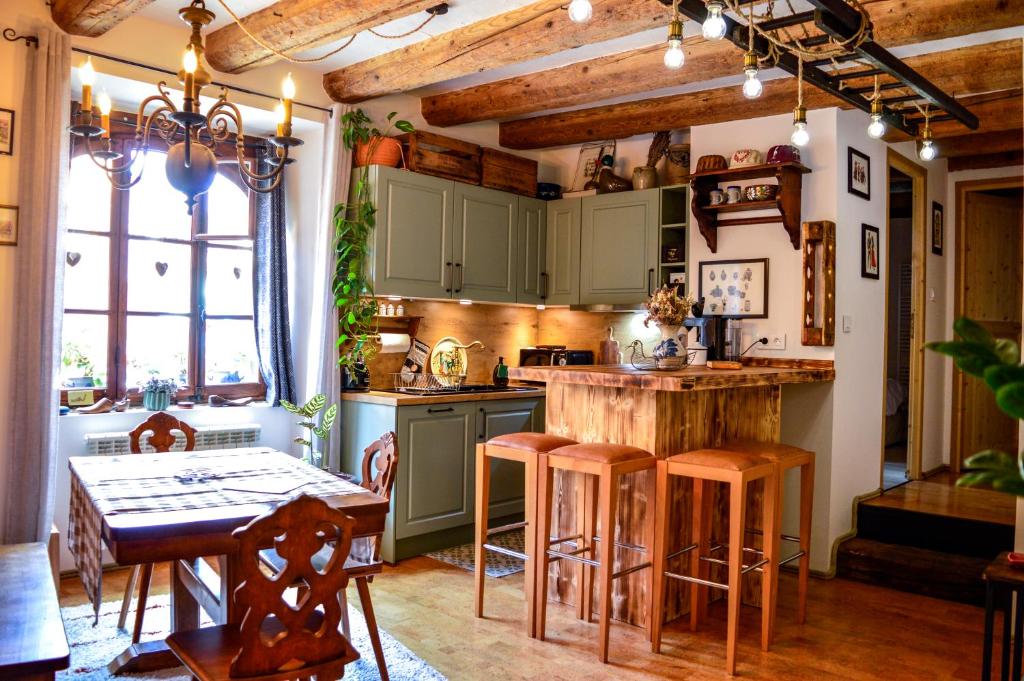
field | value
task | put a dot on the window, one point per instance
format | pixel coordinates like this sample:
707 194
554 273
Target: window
147 293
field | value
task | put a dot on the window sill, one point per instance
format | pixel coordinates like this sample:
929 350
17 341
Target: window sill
175 409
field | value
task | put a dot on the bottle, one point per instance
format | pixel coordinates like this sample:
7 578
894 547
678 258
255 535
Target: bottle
400 310
500 375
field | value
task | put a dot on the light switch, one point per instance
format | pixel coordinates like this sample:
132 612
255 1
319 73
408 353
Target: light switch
847 323
931 294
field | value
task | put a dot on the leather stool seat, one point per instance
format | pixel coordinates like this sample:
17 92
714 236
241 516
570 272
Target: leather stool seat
602 452
775 452
719 458
531 442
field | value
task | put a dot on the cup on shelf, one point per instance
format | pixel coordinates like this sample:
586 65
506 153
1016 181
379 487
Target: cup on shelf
717 197
732 193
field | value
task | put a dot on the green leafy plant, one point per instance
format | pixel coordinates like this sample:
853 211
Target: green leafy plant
353 223
308 412
996 361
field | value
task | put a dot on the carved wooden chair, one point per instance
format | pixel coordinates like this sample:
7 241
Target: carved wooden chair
162 426
379 468
278 641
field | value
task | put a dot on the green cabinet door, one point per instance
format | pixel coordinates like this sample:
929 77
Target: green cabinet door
563 252
485 244
435 472
619 249
531 254
502 417
412 244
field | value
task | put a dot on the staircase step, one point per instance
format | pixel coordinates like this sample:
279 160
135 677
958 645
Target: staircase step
962 536
950 576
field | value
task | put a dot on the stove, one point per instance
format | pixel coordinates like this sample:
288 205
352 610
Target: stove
469 388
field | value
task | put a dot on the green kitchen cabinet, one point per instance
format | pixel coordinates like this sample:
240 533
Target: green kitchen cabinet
485 243
531 255
563 251
619 257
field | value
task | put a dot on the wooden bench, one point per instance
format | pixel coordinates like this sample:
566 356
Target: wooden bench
33 645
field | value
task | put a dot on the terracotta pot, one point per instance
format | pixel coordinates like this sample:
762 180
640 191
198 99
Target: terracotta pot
386 151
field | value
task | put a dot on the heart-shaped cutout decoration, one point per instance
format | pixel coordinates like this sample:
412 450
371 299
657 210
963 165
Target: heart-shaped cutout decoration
161 268
73 258
238 272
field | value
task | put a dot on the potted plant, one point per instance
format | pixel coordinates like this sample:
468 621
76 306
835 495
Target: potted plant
353 224
156 393
371 145
668 310
309 412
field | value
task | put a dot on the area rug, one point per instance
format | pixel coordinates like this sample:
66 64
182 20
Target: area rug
93 647
498 564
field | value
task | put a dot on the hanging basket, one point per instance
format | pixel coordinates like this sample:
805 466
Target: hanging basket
379 151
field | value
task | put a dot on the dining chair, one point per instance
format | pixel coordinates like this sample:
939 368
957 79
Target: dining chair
379 467
275 639
162 426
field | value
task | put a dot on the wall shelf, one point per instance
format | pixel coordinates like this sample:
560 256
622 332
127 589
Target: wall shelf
385 324
789 177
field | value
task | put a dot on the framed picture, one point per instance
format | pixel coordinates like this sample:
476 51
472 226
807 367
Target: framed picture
938 228
6 132
8 225
677 277
870 252
589 160
858 174
734 288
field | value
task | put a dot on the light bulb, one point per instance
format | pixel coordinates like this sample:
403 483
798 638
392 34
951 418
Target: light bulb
580 11
714 24
104 104
288 87
279 112
190 62
674 55
928 151
752 87
876 128
86 73
800 136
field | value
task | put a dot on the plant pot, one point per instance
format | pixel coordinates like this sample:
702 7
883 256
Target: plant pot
156 400
379 151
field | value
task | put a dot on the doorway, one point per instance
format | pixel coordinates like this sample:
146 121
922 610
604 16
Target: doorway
906 184
988 287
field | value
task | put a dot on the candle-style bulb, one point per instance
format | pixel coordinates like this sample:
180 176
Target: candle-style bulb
279 112
86 73
104 104
288 87
191 62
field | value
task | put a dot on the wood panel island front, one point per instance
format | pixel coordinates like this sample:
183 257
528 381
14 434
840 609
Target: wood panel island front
666 413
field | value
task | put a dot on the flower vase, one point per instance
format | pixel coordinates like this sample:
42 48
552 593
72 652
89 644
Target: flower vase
156 400
673 342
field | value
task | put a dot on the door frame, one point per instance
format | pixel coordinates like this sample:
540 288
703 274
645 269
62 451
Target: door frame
964 187
919 263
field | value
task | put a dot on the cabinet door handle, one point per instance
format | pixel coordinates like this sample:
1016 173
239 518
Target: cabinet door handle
544 285
462 277
650 281
448 277
483 427
440 411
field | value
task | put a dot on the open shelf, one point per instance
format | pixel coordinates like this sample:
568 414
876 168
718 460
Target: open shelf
743 205
751 172
385 324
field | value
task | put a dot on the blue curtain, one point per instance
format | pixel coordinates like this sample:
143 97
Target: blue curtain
270 292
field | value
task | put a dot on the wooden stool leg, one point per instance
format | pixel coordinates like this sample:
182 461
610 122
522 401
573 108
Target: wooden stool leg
737 523
608 492
346 627
589 532
806 509
545 476
650 534
140 605
483 481
659 507
371 627
129 592
530 583
772 514
699 532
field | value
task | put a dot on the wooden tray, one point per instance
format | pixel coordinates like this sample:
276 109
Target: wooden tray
441 156
509 172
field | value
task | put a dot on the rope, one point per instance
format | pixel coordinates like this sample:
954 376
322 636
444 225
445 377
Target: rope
789 43
430 17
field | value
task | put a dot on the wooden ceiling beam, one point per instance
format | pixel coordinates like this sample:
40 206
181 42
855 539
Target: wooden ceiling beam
92 18
980 68
980 144
997 111
897 22
292 26
535 30
998 160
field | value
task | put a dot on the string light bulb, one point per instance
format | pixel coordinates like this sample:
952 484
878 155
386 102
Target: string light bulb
752 87
800 136
580 11
714 27
674 55
877 126
927 151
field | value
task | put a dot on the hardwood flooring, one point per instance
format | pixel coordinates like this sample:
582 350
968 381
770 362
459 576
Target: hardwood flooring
853 631
938 496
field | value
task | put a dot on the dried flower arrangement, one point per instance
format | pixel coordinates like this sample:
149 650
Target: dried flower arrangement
667 308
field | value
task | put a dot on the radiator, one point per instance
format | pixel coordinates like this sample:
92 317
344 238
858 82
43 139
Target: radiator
207 437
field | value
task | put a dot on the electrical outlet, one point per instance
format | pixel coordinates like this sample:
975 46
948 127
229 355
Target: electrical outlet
777 342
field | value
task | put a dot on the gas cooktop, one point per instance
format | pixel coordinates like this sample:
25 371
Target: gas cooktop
469 388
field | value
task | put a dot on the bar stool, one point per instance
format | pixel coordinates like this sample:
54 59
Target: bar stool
786 457
737 470
528 449
604 464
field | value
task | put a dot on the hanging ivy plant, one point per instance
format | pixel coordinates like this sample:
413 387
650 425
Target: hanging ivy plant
353 224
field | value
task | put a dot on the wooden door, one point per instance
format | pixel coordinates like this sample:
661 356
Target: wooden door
563 252
501 417
990 254
619 249
531 264
413 236
485 244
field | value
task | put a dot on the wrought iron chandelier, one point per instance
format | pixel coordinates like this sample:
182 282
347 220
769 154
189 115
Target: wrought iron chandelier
191 135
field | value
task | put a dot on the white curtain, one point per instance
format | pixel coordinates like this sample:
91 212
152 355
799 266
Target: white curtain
322 374
30 433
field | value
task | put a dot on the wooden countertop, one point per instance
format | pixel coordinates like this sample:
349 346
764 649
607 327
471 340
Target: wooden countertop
691 378
401 400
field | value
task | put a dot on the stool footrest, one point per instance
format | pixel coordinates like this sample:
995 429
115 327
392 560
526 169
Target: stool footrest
697 580
564 540
783 537
624 545
746 568
506 551
631 570
790 559
507 528
573 557
681 551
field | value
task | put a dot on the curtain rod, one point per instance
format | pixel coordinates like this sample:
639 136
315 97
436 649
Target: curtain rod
129 62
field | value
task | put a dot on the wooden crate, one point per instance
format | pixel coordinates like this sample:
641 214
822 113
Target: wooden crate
432 154
508 172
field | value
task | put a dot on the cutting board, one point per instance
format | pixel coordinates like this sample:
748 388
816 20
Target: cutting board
609 351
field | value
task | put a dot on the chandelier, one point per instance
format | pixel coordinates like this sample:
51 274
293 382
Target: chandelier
191 135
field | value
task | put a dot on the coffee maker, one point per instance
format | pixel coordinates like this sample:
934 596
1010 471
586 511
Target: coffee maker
711 332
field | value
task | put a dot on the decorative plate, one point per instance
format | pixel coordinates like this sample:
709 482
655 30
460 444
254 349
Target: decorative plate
448 358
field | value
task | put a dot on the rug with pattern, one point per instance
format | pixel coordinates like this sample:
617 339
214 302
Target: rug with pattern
498 564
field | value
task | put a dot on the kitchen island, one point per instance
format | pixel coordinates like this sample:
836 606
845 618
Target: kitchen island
666 413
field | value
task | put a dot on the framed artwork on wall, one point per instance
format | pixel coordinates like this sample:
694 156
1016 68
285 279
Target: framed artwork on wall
870 252
938 228
734 288
8 225
6 132
858 168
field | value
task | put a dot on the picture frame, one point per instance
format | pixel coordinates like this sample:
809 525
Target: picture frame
737 289
938 228
677 278
588 162
870 252
858 173
8 225
6 132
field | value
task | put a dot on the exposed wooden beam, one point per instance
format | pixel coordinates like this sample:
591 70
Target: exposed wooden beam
296 25
999 160
897 22
981 68
536 30
980 144
93 18
997 111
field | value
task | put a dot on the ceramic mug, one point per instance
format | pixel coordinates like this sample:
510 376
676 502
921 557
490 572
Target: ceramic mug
717 197
732 193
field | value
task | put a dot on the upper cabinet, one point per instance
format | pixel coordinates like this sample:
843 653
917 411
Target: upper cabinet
563 252
532 280
485 244
619 257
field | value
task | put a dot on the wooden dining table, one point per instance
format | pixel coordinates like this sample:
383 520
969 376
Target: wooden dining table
182 507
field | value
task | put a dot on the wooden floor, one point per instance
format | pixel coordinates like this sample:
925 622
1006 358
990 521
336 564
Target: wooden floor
854 632
938 495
